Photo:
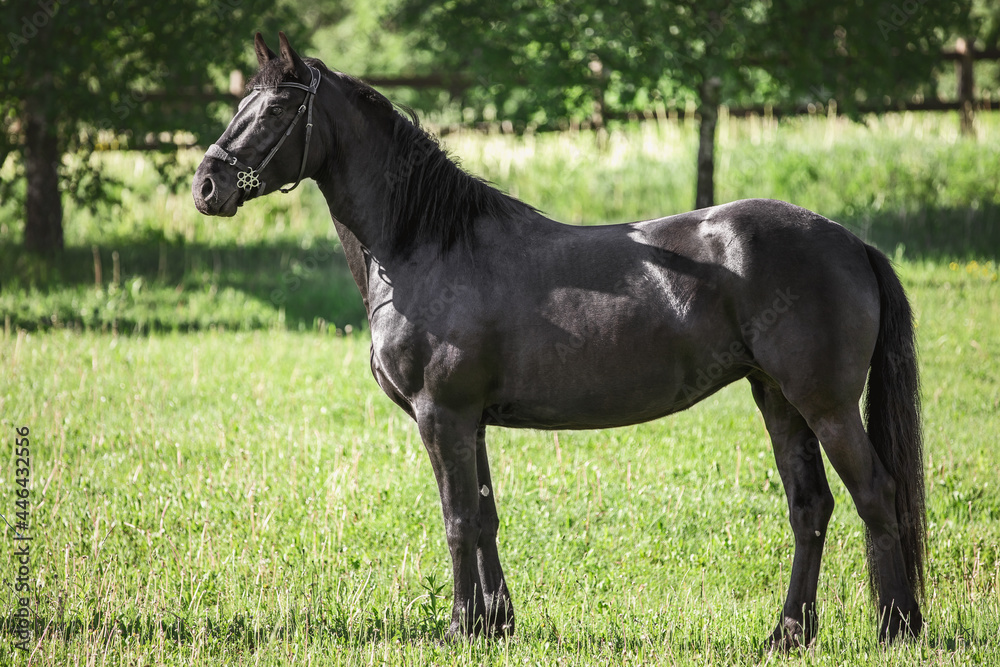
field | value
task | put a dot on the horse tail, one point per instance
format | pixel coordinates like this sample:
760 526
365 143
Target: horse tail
892 413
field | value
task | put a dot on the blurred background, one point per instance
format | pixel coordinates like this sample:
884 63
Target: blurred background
880 115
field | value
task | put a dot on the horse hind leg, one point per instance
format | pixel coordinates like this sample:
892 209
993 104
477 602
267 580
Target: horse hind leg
810 505
873 490
499 607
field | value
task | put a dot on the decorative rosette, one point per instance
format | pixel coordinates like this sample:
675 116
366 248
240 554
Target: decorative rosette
247 180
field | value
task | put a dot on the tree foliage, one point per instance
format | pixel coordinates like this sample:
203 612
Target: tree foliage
543 60
78 76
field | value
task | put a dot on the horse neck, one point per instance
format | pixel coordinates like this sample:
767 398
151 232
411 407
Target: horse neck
352 181
352 177
368 170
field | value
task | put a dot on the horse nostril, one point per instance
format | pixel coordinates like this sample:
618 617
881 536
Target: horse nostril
207 187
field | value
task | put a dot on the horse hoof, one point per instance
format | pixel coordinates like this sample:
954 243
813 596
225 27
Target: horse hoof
789 636
504 629
461 630
458 634
502 622
499 615
897 624
500 627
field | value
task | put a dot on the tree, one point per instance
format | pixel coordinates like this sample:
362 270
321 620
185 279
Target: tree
545 61
79 73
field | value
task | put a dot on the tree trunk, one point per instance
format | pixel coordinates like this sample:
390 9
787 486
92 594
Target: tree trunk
965 86
708 111
43 230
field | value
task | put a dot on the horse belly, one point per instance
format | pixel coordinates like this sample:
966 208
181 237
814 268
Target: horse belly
598 381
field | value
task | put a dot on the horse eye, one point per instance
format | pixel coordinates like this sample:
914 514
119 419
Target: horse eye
276 111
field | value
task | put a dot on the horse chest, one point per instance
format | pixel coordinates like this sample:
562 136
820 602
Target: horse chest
395 365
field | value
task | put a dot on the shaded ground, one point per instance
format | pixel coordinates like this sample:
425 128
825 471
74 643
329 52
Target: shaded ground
163 285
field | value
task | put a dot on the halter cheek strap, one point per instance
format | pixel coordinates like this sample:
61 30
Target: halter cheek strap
248 178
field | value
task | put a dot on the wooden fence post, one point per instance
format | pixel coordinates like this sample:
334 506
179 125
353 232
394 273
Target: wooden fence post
964 67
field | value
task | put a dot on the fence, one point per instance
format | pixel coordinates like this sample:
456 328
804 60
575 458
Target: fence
965 102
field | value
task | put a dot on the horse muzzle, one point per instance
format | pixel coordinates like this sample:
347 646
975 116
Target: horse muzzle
215 191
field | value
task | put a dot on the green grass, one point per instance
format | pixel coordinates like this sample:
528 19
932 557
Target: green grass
252 498
903 179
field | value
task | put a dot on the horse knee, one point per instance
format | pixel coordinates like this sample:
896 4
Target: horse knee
462 532
810 517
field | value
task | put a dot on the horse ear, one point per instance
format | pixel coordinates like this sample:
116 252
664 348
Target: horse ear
264 54
291 60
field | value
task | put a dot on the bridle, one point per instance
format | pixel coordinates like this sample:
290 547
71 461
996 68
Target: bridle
249 178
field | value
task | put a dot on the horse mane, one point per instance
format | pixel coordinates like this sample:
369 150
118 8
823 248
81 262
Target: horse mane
429 198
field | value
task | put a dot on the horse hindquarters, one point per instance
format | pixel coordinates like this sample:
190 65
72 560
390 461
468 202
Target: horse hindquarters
883 466
819 361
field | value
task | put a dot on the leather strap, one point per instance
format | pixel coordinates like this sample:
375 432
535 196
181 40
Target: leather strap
248 178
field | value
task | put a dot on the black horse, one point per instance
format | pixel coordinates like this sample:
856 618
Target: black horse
485 312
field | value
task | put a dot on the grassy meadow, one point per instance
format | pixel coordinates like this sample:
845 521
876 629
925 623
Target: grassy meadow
217 479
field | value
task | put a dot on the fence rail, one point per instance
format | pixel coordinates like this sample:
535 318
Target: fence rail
965 103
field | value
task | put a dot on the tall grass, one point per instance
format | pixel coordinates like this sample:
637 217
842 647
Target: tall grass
900 178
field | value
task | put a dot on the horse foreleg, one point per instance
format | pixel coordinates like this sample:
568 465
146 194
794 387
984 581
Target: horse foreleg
499 608
810 505
450 439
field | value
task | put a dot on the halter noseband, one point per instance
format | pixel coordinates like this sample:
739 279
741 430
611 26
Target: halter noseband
249 178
